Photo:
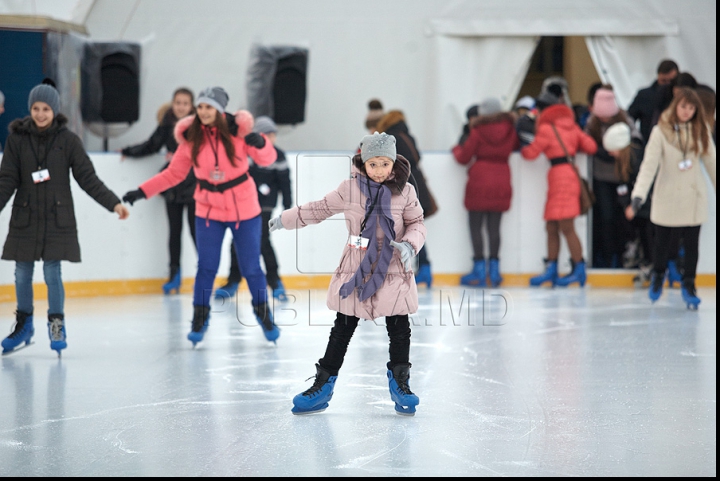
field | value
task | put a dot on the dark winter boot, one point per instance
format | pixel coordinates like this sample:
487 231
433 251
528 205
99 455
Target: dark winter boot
495 277
265 319
689 294
315 399
550 274
56 332
656 286
578 275
404 399
173 284
200 324
22 333
476 277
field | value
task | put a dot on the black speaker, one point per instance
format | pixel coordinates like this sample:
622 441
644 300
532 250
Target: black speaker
277 85
111 82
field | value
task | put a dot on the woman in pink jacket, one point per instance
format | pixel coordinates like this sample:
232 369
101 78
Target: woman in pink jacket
374 278
216 145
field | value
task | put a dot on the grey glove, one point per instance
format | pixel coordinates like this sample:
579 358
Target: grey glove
406 253
636 204
275 224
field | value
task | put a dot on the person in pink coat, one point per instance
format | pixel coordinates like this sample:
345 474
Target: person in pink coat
216 146
558 136
374 279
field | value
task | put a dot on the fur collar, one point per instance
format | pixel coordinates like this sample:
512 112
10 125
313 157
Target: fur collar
389 120
26 126
398 177
491 119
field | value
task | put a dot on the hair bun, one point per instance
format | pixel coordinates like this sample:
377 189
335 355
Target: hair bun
49 81
375 104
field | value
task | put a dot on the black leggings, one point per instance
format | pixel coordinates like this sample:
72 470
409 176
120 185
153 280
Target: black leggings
691 242
477 220
398 329
175 218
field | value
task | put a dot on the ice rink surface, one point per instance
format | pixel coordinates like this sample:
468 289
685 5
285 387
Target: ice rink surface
516 382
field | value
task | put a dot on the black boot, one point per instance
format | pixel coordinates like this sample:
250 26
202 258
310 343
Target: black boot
200 323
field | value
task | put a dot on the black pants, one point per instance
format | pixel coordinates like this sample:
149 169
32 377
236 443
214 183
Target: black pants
398 329
691 243
611 230
477 220
175 218
267 252
646 231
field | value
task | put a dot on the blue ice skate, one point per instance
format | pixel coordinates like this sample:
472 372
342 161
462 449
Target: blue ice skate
265 319
22 333
405 401
689 295
56 332
476 277
578 275
200 324
279 292
174 283
673 274
550 275
315 399
656 286
227 291
495 277
424 275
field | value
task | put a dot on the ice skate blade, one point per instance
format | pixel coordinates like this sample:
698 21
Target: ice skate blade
18 348
301 412
405 411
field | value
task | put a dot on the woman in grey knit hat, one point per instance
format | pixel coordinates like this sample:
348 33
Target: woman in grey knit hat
36 165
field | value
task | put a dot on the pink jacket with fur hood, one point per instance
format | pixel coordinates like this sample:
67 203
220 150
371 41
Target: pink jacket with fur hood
233 205
398 293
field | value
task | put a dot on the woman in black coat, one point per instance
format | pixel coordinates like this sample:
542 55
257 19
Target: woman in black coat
39 154
177 198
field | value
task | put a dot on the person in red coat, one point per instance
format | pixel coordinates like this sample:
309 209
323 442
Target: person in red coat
488 190
558 136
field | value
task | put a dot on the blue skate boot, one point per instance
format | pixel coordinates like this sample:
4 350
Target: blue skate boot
424 275
22 333
56 332
476 278
656 286
265 319
279 292
174 283
495 277
578 275
405 401
689 294
315 399
673 274
228 290
200 324
550 275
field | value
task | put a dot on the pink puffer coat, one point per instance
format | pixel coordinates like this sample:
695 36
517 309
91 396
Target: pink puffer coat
398 293
233 205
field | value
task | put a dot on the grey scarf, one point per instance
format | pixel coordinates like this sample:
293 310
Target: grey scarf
377 209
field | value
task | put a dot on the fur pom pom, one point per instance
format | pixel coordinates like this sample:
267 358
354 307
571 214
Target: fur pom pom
181 126
245 122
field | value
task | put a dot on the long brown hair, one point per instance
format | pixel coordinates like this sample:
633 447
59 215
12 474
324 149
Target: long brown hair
196 136
700 135
623 163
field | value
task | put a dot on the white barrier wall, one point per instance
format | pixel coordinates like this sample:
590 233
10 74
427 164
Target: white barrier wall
137 247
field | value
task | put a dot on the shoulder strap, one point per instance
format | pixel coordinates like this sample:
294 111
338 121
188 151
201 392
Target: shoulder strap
570 159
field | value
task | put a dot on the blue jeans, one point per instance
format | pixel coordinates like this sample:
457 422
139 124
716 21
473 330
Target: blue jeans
53 280
209 235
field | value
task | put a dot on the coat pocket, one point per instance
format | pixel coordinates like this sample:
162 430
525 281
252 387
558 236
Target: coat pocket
64 213
20 217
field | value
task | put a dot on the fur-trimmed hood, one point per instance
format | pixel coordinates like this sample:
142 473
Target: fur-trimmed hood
240 124
390 119
26 126
398 177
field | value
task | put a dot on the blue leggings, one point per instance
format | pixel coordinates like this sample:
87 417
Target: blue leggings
246 234
24 288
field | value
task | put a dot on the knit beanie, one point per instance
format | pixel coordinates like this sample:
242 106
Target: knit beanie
375 113
213 96
378 145
616 137
604 104
45 93
489 106
265 125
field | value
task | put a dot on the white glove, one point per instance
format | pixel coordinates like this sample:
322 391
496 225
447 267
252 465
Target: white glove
275 224
406 253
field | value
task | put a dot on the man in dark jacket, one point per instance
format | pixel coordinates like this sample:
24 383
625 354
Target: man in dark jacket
646 100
